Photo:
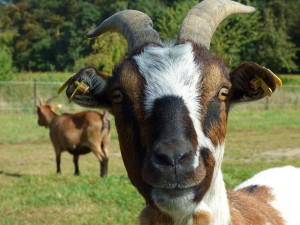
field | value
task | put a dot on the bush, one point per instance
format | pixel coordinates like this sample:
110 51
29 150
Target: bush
6 65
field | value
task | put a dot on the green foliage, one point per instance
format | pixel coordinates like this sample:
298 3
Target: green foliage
107 51
50 35
169 23
6 62
5 65
275 49
154 9
236 37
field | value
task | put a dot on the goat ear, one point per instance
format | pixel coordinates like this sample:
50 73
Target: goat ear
251 81
96 96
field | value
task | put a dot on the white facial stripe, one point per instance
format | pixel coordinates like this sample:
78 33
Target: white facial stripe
171 71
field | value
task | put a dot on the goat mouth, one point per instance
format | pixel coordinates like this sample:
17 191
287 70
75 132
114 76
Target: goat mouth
174 191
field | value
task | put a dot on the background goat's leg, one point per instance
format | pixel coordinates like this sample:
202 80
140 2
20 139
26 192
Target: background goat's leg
104 162
75 160
58 162
97 150
104 165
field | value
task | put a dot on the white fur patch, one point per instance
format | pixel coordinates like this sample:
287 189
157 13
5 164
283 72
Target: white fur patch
285 184
215 200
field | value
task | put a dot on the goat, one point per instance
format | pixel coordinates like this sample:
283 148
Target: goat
78 133
171 106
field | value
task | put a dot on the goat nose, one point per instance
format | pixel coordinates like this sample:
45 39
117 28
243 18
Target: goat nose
171 154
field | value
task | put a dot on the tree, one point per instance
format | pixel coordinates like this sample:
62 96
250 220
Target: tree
275 50
280 43
6 63
169 23
235 39
148 6
107 51
50 35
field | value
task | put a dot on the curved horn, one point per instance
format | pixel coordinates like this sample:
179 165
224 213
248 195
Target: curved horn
202 20
50 99
40 101
134 25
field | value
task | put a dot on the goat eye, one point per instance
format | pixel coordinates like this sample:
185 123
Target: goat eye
117 96
223 94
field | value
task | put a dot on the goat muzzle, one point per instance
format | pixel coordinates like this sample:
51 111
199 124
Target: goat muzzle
170 164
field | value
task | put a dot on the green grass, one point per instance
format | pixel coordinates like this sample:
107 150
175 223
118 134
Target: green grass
53 199
31 192
263 120
290 79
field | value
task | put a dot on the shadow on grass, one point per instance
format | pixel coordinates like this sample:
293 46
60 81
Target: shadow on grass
11 174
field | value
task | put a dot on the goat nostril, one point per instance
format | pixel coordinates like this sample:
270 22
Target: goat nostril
163 159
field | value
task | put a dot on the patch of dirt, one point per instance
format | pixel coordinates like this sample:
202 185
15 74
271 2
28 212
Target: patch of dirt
279 153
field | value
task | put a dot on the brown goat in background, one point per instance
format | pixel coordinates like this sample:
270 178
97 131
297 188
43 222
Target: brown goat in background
78 133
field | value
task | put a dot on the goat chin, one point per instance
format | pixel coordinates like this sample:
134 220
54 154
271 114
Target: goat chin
174 200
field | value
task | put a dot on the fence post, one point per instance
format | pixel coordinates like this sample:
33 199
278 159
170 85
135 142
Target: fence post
35 100
267 103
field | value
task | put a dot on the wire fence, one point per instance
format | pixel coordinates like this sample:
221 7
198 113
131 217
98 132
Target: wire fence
24 96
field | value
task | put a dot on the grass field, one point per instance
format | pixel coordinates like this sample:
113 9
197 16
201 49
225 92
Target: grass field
31 192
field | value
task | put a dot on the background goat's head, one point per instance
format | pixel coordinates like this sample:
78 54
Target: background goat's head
44 111
171 103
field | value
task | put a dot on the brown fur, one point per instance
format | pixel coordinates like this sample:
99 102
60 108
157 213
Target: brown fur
253 207
89 130
151 215
130 83
202 218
